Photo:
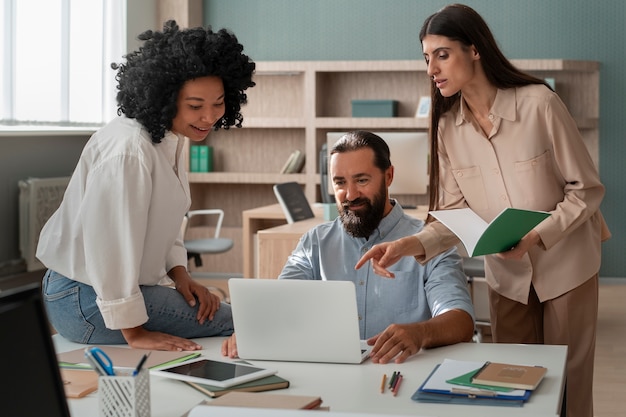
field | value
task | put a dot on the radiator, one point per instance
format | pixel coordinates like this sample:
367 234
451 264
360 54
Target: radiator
38 199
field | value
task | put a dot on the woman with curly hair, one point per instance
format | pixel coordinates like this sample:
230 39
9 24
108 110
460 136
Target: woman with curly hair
116 236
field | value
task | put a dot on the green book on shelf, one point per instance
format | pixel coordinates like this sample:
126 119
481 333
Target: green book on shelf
195 158
272 382
482 238
203 159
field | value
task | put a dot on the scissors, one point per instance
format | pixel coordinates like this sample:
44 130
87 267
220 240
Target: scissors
99 360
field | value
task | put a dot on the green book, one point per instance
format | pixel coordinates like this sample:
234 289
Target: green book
203 158
268 383
466 381
125 357
195 158
482 238
182 359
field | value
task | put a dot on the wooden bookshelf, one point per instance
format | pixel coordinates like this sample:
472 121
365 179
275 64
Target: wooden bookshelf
294 105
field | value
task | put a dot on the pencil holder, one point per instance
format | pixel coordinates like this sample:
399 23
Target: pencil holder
124 395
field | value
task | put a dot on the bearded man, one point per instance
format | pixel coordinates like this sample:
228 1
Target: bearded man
424 306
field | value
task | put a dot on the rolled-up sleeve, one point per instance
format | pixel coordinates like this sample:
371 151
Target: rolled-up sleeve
446 286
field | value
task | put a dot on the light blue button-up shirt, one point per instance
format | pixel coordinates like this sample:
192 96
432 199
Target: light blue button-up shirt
418 292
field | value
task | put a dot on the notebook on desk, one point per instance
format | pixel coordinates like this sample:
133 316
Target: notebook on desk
296 320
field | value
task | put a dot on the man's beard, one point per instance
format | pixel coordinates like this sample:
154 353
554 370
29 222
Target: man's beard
363 222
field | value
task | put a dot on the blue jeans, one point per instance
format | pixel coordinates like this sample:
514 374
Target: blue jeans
73 312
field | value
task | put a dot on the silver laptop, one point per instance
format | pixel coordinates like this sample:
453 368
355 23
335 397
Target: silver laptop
296 320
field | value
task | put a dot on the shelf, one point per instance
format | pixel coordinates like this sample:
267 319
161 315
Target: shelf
273 122
301 67
556 65
367 66
387 123
374 123
244 178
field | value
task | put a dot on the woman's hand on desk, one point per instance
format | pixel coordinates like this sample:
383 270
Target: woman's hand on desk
229 347
140 338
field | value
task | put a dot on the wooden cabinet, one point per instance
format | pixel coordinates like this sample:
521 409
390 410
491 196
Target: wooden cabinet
294 105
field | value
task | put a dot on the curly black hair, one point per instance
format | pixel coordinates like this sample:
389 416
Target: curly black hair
151 78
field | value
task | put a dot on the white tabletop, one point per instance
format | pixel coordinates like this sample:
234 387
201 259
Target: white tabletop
356 388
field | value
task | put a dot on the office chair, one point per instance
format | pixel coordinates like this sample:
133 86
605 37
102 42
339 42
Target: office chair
210 245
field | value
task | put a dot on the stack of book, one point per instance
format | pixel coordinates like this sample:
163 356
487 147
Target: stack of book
480 383
258 404
268 383
261 400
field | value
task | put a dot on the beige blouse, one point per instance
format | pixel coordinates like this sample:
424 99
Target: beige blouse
534 158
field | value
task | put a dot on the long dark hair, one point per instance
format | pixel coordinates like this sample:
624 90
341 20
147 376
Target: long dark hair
461 23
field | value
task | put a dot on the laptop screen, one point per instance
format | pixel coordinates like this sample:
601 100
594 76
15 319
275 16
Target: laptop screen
33 385
296 320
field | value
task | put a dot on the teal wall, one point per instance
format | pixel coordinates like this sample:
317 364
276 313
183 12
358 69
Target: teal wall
275 30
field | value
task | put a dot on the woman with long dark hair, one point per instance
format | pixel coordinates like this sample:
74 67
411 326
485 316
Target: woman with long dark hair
502 138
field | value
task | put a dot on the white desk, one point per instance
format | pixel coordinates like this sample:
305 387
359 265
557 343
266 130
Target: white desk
356 388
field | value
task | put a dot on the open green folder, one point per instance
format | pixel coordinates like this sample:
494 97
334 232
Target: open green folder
482 238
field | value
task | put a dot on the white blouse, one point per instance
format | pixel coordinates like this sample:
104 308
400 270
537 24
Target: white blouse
119 224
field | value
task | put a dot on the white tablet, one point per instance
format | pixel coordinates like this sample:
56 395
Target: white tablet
207 371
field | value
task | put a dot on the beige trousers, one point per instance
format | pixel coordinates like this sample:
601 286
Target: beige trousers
571 320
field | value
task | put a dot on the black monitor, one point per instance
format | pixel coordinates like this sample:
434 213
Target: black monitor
32 380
